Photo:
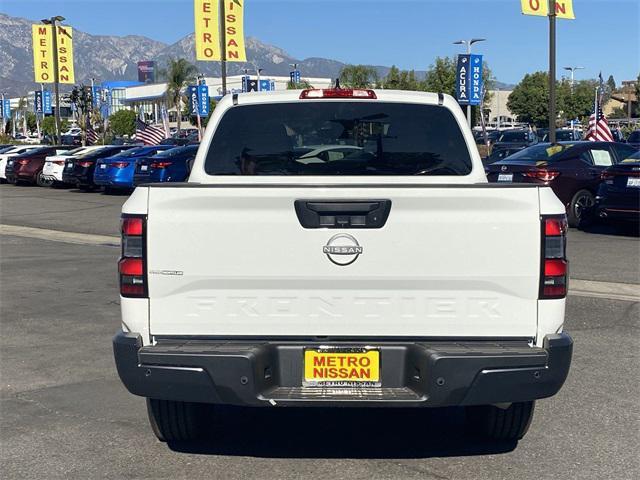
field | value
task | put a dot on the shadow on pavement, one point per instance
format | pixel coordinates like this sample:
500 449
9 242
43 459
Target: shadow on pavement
620 230
342 433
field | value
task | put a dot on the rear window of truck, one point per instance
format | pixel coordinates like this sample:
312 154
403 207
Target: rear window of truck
338 138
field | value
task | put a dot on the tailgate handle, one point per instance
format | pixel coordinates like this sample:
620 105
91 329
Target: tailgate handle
342 213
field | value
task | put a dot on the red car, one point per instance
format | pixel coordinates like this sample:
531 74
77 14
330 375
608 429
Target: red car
27 167
571 169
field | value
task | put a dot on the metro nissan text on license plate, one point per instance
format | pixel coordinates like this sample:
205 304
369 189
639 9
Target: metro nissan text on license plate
341 367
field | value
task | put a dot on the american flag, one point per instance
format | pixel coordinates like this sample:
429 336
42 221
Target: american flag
598 127
92 136
148 134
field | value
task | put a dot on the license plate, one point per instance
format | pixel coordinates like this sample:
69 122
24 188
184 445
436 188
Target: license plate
633 182
69 166
103 165
505 177
143 168
341 367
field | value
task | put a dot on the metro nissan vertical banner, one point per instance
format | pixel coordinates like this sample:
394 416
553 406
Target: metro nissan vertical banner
234 30
207 28
42 37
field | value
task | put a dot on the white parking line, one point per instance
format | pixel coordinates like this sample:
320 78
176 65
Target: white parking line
581 288
59 236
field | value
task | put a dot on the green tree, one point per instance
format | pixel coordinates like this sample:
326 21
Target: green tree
441 76
303 84
401 80
123 122
179 74
611 84
48 125
576 102
529 100
358 76
31 121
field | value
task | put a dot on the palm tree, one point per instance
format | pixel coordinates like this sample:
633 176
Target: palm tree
179 74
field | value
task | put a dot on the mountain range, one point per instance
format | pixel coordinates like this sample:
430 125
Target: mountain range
106 57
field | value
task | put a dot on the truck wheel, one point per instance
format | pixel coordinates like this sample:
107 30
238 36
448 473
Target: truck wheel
581 205
501 424
177 421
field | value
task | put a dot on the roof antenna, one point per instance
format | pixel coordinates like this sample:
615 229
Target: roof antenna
337 85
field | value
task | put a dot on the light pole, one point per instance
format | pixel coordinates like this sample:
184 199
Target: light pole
572 70
56 88
258 71
468 43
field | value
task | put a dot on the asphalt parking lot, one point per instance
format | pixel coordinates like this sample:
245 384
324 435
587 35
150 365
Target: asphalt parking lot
65 414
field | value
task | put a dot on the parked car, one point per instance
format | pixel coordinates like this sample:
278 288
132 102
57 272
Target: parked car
500 154
634 139
386 282
514 139
79 170
572 170
9 152
492 136
27 166
169 166
563 135
618 197
117 171
54 164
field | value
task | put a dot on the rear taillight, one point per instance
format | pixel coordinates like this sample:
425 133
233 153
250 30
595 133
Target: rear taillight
554 274
338 93
58 162
120 164
23 162
542 174
85 164
132 268
160 164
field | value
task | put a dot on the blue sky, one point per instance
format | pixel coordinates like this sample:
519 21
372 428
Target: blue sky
604 37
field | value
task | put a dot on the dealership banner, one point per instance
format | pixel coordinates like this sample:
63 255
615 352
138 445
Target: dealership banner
65 55
234 31
42 38
46 102
207 28
207 19
147 72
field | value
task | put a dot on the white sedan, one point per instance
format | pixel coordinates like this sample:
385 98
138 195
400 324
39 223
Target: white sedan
17 150
54 164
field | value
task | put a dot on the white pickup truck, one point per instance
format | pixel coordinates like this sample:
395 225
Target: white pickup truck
342 248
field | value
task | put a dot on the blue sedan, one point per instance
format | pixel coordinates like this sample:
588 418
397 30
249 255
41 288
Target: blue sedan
117 172
169 166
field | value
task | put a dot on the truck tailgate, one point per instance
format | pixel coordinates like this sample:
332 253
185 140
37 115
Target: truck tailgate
450 261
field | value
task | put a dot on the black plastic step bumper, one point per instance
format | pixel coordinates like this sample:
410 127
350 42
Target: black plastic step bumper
430 374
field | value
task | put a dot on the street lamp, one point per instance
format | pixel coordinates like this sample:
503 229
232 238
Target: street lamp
468 43
56 88
573 69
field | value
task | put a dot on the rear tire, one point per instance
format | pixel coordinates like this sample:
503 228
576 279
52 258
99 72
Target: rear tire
501 424
582 205
43 182
178 421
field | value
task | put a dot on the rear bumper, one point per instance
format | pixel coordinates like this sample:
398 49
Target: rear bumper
115 182
429 374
